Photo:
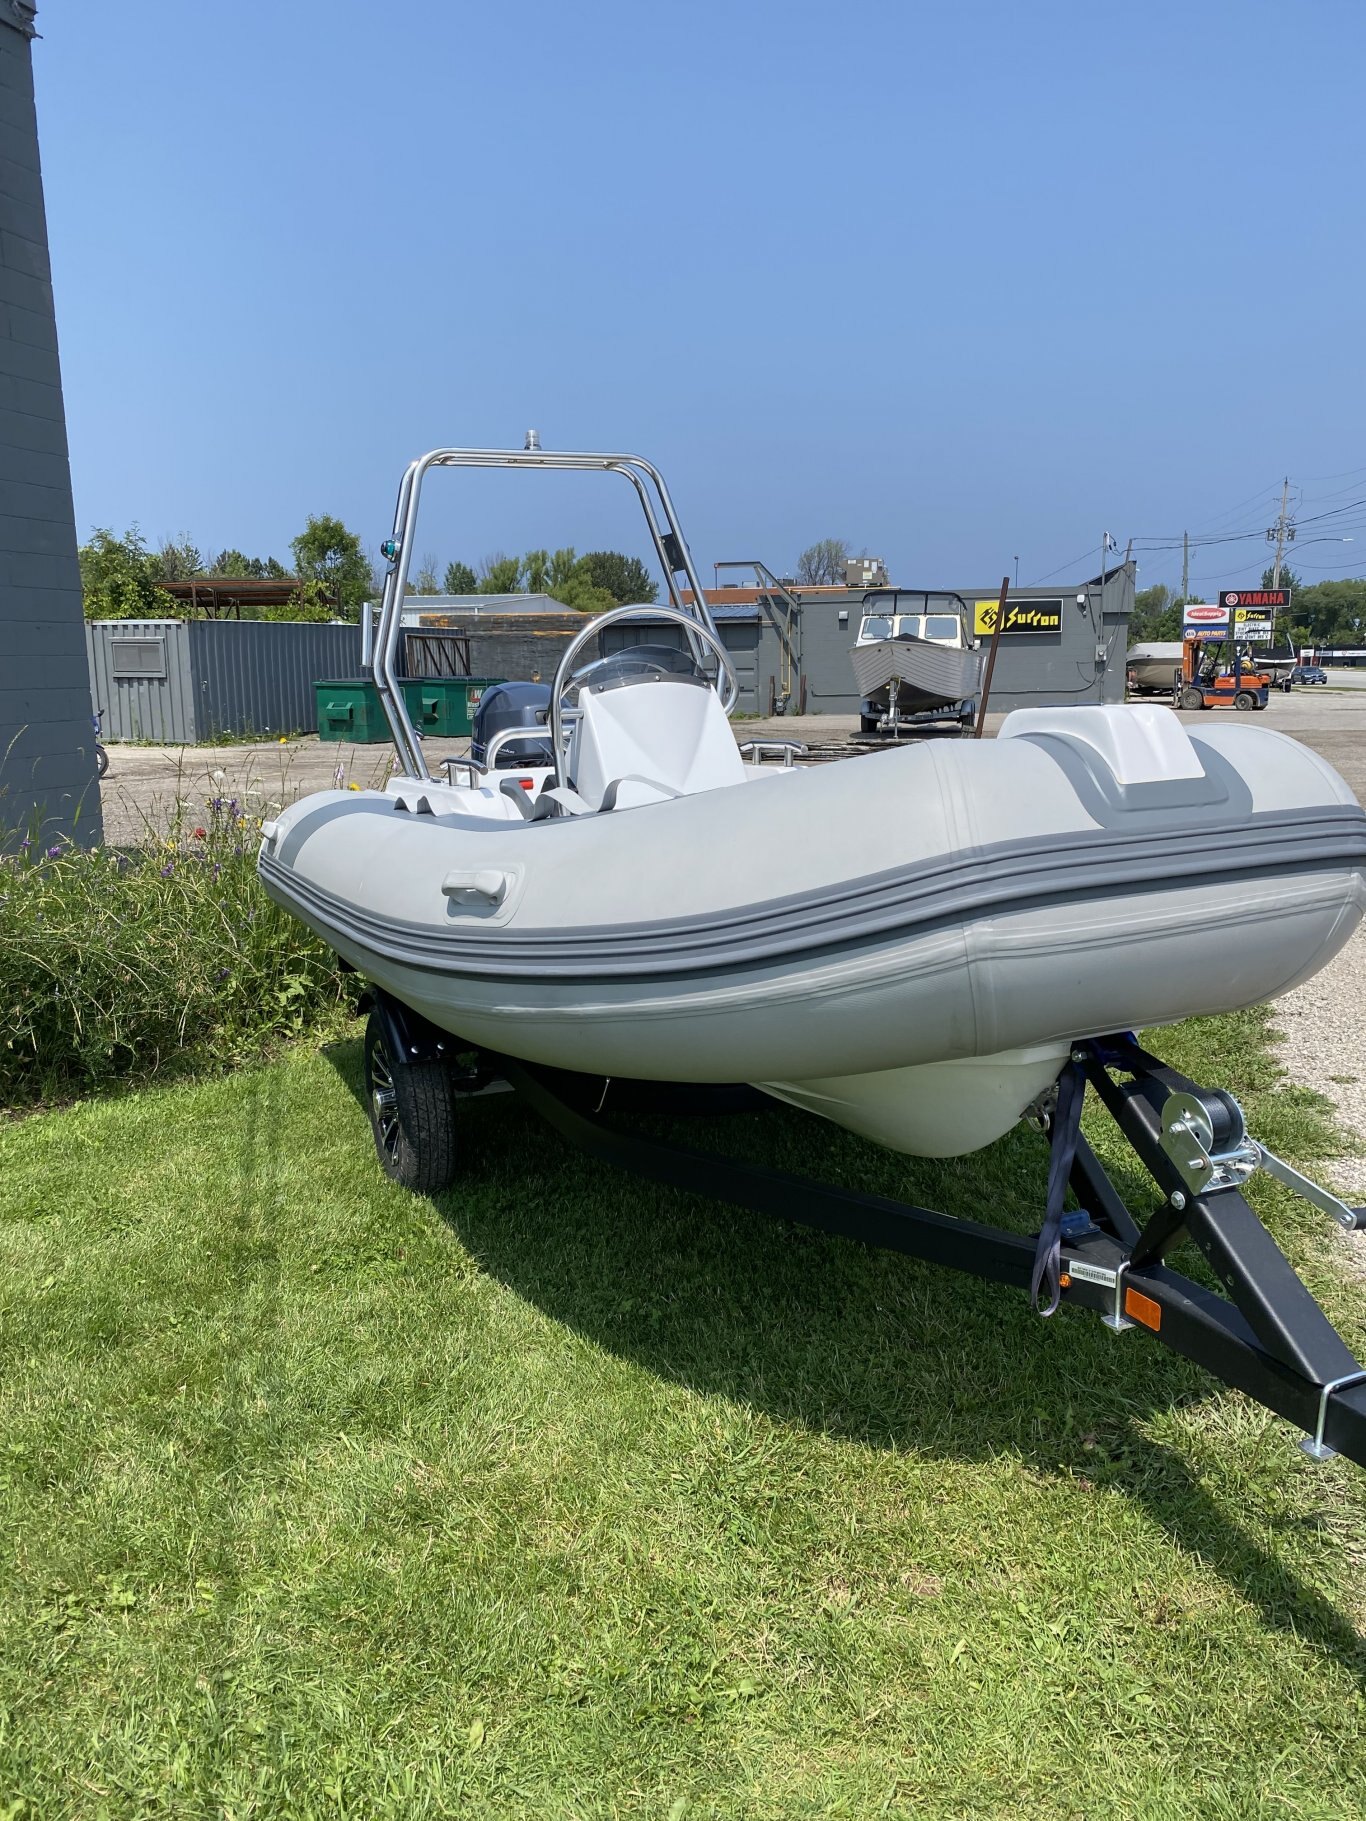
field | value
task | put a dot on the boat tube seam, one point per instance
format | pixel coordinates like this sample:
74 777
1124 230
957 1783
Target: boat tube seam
1030 852
1053 871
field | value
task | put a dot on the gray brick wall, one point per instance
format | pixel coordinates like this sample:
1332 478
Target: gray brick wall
47 767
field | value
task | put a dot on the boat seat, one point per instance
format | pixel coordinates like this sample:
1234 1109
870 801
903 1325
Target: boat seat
659 737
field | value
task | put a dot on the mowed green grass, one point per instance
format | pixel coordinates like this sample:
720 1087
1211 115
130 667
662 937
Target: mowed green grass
568 1496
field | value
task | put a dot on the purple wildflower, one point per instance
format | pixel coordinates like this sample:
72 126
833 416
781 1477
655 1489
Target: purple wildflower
168 869
216 805
53 852
25 845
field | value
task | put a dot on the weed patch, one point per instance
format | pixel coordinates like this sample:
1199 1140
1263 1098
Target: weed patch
131 963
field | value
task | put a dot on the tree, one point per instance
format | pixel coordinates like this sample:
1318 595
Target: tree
502 574
460 579
576 590
179 559
307 602
233 562
536 569
1156 617
625 578
823 563
120 579
254 568
1329 613
327 553
425 582
1288 579
566 579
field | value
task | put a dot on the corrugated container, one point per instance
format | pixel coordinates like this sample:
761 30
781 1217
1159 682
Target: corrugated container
183 681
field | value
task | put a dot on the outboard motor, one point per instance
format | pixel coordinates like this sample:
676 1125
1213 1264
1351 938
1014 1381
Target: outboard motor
513 705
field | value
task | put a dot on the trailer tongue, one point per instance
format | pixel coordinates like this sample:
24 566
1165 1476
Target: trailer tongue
1266 1336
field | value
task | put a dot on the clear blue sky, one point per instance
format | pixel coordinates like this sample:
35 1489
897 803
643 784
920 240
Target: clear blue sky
955 282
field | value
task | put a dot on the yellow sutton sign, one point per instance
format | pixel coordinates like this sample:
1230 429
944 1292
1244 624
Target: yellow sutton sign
1021 616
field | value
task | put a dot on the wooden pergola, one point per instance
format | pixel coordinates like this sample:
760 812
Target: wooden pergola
222 597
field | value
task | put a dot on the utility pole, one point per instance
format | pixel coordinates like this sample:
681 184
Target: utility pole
1017 572
1280 534
1185 565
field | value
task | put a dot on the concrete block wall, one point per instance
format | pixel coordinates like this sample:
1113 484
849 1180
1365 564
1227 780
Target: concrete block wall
47 761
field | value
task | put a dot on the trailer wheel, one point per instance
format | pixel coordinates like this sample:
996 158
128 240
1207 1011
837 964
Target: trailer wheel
867 723
412 1115
1191 698
1245 699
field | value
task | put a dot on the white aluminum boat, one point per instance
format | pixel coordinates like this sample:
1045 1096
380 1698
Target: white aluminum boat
914 656
907 942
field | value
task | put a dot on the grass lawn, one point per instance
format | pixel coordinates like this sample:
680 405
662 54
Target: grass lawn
568 1497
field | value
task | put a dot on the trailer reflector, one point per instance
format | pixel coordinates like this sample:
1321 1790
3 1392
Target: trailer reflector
1142 1308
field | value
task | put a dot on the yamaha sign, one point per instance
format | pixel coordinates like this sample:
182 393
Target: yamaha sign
1273 600
1253 612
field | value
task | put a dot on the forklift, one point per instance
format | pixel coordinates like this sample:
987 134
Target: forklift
1208 680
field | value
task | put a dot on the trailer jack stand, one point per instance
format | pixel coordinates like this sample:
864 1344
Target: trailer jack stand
1265 1335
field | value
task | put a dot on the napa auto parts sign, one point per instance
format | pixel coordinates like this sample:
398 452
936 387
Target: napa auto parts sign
1254 611
1203 620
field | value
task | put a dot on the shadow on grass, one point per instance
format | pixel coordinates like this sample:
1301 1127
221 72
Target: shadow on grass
871 1346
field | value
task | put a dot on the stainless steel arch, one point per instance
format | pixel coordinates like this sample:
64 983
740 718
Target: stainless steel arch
665 533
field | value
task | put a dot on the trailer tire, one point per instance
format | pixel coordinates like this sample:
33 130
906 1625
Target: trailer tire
412 1115
867 723
1245 699
1191 698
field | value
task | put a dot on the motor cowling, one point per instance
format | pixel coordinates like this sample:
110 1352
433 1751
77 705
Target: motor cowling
510 705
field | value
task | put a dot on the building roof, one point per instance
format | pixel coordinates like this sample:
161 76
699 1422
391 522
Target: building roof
481 603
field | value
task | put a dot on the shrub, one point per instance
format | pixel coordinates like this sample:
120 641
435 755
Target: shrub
132 963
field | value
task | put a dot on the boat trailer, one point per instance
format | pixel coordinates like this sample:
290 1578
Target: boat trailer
1266 1335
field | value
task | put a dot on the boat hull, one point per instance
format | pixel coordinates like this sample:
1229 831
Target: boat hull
807 933
927 675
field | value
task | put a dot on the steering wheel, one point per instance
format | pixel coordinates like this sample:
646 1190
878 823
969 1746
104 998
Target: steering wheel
636 661
565 674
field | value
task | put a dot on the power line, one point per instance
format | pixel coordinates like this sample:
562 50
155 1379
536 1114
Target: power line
1071 563
1341 473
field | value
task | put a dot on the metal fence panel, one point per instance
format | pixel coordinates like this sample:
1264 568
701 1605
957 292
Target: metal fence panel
257 676
140 677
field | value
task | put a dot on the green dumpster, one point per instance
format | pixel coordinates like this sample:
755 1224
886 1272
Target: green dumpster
349 709
438 707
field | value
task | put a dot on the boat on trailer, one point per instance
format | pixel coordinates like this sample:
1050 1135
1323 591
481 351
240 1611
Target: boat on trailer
614 905
915 661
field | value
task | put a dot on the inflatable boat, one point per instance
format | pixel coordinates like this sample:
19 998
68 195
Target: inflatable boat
908 942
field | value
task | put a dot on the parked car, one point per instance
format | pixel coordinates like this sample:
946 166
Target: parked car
1308 673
